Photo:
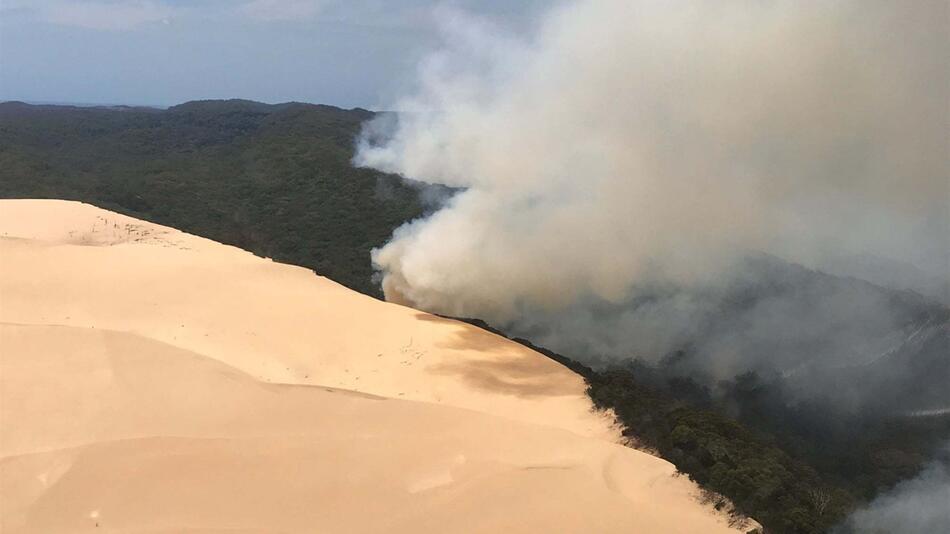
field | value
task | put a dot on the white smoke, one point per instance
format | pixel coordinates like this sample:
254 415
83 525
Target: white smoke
917 506
629 144
616 166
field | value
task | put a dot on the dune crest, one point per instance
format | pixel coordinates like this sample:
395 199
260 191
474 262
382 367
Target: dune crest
155 381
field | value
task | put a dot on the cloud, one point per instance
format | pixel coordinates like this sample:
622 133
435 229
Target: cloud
281 10
106 15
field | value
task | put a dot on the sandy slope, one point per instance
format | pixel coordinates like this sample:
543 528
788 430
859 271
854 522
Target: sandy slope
153 381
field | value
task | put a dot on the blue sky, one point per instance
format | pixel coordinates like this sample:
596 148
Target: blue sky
162 52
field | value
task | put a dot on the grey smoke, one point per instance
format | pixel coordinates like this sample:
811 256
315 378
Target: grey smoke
617 166
917 506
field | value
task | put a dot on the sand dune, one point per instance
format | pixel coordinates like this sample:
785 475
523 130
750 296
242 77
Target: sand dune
154 381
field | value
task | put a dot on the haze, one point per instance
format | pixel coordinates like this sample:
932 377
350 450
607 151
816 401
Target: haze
164 52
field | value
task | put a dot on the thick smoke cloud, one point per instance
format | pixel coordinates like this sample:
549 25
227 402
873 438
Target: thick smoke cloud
617 166
633 178
648 141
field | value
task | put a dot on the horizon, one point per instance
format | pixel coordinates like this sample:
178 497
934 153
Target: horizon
362 53
165 107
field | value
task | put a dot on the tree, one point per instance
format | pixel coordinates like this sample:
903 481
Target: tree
820 498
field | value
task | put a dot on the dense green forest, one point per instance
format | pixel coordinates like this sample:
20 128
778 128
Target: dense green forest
272 179
277 180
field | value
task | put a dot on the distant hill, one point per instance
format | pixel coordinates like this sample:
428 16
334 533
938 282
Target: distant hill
272 179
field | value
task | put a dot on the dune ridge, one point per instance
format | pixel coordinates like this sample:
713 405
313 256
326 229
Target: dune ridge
155 381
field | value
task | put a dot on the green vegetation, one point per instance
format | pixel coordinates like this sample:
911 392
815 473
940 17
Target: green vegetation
761 480
275 180
796 468
767 464
862 452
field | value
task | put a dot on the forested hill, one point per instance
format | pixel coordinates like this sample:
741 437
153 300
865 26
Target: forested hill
272 179
277 180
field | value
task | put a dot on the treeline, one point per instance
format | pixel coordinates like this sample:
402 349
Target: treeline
795 466
761 481
272 179
784 494
756 477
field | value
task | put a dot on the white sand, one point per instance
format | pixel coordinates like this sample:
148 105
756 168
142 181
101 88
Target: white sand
153 381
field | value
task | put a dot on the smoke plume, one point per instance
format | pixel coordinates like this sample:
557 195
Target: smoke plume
638 179
616 167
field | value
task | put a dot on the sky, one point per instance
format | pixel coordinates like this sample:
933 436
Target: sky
348 53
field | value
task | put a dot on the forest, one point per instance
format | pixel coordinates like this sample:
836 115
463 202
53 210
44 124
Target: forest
275 180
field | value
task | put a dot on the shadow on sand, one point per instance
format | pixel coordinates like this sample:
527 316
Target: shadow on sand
503 366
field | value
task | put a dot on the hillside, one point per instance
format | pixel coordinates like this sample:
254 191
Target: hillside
272 179
844 376
161 382
276 180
